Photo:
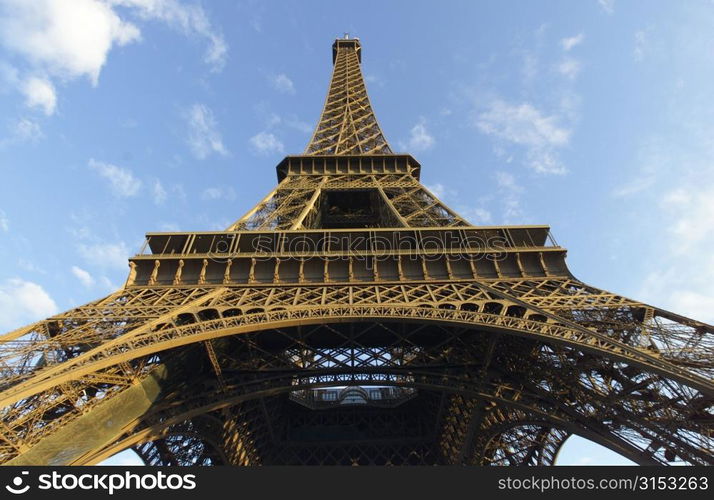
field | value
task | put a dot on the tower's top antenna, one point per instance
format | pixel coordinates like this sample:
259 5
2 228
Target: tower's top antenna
347 36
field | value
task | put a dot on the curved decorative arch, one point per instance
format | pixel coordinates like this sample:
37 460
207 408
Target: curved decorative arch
149 341
517 401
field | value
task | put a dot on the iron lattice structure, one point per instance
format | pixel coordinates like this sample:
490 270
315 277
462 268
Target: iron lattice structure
352 318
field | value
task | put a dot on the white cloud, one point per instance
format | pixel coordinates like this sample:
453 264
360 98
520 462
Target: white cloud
640 45
106 283
510 197
40 93
203 135
438 189
693 211
122 180
473 214
655 159
570 42
169 227
607 5
189 19
179 192
507 181
441 191
27 130
522 124
22 130
273 120
290 121
476 215
530 66
419 137
220 225
159 193
256 24
23 302
83 276
293 122
682 290
683 279
218 193
569 68
105 255
282 83
66 40
526 126
266 143
30 266
373 79
4 222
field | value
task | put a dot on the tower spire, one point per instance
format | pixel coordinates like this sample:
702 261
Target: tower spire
347 125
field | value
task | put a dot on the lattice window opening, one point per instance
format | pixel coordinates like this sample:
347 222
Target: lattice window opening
350 357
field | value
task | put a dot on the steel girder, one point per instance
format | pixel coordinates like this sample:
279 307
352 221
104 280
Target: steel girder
502 358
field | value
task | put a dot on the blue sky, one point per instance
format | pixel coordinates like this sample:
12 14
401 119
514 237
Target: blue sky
119 117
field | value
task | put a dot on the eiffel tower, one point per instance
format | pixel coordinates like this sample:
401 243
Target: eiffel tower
352 318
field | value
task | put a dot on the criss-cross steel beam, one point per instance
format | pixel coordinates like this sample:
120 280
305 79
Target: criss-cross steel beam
351 297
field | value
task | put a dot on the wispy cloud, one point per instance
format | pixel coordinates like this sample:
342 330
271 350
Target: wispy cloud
654 159
53 36
438 189
679 205
524 125
507 181
105 255
27 265
266 143
190 19
273 120
419 138
22 302
569 68
282 83
22 130
607 5
640 45
573 41
257 24
4 222
170 227
510 193
121 180
684 279
218 193
373 79
204 138
476 215
530 55
63 41
40 93
27 130
529 68
83 276
292 121
159 193
692 211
